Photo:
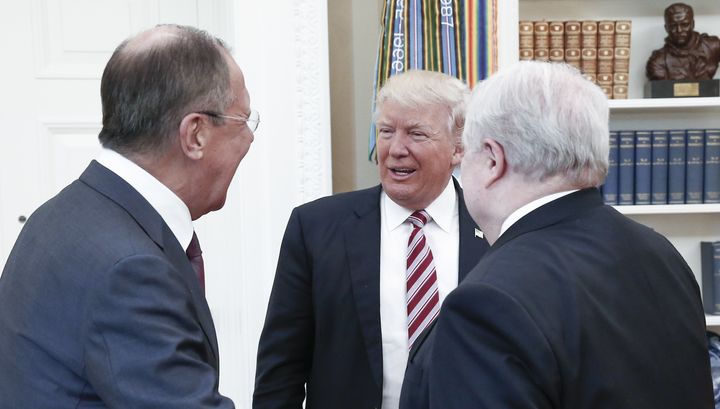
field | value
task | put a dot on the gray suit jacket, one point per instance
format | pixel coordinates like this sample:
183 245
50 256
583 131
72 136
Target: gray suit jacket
100 307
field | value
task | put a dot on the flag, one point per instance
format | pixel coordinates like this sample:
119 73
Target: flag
455 37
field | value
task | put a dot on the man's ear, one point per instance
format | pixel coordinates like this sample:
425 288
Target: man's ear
192 135
458 153
494 160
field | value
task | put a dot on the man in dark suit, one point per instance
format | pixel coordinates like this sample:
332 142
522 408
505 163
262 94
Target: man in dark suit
574 305
341 316
100 305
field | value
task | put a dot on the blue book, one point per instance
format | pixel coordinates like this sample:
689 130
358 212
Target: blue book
643 161
710 272
694 157
676 167
626 167
610 188
711 189
659 172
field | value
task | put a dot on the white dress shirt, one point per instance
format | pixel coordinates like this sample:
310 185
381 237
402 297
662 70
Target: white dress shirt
172 210
529 207
442 234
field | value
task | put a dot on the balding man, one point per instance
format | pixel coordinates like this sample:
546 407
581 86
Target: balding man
101 300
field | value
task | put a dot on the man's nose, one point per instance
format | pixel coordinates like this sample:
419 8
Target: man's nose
398 144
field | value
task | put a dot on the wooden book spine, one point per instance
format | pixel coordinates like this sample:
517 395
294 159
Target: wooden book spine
622 60
542 41
606 34
605 61
573 35
621 63
572 57
527 40
620 78
620 91
589 62
622 33
557 38
589 34
542 54
557 55
605 81
606 52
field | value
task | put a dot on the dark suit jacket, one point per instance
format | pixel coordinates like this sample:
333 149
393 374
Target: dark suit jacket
575 306
100 307
322 329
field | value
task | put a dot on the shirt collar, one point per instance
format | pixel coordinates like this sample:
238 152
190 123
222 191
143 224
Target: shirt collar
441 210
171 208
529 207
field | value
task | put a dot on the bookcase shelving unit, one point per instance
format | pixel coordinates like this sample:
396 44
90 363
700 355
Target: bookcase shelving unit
684 225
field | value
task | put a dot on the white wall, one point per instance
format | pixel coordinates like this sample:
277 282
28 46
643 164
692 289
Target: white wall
282 48
54 54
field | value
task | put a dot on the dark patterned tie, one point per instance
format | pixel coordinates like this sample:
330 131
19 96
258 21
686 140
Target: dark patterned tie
423 301
194 254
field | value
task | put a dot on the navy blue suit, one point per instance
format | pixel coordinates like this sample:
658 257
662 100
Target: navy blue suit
575 306
322 329
100 307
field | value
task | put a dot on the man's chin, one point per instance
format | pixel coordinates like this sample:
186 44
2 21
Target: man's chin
682 42
398 192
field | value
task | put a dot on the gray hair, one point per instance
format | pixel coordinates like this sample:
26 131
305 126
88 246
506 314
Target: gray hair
549 119
417 88
156 78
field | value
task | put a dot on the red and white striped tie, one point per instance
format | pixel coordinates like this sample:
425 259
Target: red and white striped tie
423 301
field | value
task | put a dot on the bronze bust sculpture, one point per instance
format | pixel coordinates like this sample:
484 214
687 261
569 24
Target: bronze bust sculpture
687 54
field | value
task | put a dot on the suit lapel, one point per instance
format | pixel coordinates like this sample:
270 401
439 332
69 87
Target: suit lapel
118 190
179 259
362 241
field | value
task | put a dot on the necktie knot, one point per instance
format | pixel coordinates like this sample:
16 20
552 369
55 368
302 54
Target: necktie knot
194 250
419 218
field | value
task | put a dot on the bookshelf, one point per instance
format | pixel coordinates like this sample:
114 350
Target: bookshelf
664 104
684 225
712 321
670 209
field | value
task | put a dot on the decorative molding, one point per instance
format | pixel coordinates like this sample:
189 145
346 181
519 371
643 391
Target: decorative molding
73 45
312 116
75 39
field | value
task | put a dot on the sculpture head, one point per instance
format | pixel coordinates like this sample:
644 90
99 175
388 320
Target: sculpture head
679 23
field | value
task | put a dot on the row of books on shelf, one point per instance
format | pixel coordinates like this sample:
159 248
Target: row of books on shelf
599 49
710 276
663 167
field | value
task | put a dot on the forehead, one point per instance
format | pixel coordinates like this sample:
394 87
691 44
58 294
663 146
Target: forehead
678 15
428 115
237 82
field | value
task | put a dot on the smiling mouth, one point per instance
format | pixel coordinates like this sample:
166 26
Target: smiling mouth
402 171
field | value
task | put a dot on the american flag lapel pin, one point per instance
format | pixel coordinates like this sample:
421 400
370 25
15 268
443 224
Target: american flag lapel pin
478 233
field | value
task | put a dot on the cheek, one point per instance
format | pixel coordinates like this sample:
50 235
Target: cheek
243 146
382 149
